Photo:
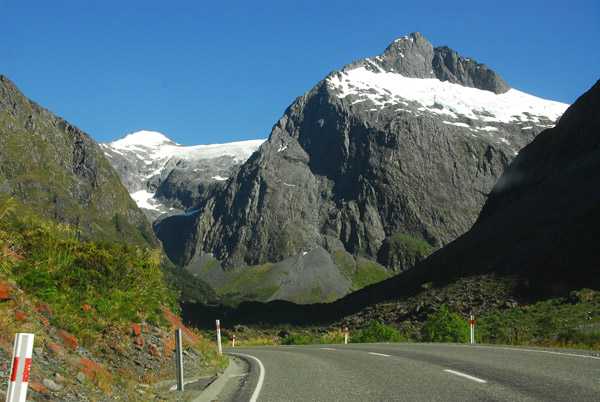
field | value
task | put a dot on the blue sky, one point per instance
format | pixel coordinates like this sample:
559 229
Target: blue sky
205 72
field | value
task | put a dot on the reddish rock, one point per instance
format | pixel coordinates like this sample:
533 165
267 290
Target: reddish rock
139 341
153 349
147 380
166 351
20 316
55 349
45 309
44 321
135 329
89 367
6 291
86 307
69 340
35 386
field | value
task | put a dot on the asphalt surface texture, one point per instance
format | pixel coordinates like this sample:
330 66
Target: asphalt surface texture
406 372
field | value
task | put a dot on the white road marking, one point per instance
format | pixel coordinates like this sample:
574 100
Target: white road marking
466 376
328 348
261 377
378 354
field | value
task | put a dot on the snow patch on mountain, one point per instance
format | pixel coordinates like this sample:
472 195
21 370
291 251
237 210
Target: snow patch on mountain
152 146
148 161
387 89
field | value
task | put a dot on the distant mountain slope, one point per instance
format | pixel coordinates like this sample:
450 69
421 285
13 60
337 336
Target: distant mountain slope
61 173
166 178
387 159
542 219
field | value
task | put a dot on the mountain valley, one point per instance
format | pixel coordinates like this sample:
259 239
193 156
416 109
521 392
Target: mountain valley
380 164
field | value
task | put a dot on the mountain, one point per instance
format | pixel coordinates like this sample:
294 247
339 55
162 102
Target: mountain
56 170
535 238
166 178
385 161
539 230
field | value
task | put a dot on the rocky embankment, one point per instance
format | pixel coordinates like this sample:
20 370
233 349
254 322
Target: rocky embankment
132 361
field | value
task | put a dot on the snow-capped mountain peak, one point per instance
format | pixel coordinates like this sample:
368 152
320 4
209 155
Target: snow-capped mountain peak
165 177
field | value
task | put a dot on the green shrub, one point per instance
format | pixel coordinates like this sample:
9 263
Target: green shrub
377 332
300 339
579 339
444 326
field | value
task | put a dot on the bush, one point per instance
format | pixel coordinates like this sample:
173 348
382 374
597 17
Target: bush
444 326
377 332
300 339
579 339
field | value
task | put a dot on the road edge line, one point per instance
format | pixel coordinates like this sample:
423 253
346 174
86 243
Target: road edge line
261 376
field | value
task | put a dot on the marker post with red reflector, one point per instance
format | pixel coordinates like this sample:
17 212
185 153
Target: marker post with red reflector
472 329
233 342
219 338
21 364
346 337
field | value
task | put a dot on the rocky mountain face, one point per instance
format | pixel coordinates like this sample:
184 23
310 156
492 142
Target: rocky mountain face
540 224
387 159
166 178
58 171
536 238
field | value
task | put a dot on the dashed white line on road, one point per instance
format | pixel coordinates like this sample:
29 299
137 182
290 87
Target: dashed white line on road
378 354
470 377
328 348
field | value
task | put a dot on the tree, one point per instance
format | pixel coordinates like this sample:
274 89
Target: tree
444 326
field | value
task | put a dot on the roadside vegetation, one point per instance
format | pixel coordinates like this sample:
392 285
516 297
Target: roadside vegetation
567 322
93 290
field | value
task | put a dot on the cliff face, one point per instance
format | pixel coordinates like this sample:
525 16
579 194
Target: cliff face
387 159
60 172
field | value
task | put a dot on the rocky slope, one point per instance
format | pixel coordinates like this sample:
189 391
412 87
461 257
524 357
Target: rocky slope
166 178
387 159
131 361
61 173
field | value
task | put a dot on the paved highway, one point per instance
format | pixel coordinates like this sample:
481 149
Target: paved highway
416 372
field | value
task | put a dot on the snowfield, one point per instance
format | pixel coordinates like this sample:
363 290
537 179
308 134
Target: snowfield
454 100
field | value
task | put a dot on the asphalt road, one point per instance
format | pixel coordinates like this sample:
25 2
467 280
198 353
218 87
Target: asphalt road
416 372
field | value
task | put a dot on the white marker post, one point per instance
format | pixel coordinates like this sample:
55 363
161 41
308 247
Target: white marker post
346 337
179 351
219 338
472 329
233 342
21 364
